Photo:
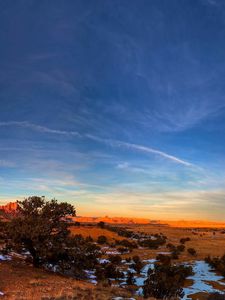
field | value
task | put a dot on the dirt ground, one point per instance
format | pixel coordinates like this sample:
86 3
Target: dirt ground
19 281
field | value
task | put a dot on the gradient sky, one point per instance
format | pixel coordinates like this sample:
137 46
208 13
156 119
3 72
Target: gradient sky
115 106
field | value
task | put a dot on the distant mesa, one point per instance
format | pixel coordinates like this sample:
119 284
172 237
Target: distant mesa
9 207
8 211
111 220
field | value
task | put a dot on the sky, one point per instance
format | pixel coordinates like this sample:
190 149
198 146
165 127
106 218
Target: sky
117 107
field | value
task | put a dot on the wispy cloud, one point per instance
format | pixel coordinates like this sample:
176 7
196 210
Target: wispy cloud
140 148
39 128
111 142
6 164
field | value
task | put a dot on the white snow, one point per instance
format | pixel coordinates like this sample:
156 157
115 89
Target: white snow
91 276
5 257
113 252
103 261
202 273
139 281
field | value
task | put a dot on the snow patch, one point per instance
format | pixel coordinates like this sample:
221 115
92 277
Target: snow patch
5 257
202 273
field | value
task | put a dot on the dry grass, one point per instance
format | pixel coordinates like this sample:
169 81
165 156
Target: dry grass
94 232
204 241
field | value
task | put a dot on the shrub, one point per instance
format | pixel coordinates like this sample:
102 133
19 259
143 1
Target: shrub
89 239
115 259
170 246
136 259
128 259
102 239
111 271
123 250
218 263
184 240
192 251
175 254
216 296
164 259
126 243
137 265
166 281
101 224
130 278
181 248
153 244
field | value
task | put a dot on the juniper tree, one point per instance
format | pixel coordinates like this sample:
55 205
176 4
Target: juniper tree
41 228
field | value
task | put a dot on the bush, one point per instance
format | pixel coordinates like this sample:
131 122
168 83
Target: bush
102 240
101 224
123 250
89 239
175 254
153 244
216 296
184 240
170 246
107 271
130 278
217 263
192 251
137 265
181 248
115 259
166 281
164 259
128 259
126 243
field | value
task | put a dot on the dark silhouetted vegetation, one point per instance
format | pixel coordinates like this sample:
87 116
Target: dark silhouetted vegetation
164 259
184 240
102 239
192 251
130 278
40 228
101 224
166 281
216 296
217 263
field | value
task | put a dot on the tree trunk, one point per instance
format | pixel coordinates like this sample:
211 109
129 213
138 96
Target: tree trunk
33 252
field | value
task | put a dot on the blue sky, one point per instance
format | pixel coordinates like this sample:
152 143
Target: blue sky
115 106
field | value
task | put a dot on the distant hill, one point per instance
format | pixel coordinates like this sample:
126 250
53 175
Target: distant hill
9 207
106 219
173 223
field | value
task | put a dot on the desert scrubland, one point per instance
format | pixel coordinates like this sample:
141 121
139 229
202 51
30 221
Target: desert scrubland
111 260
